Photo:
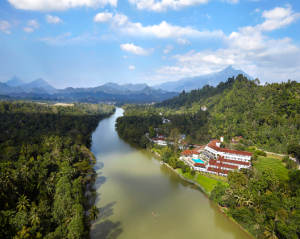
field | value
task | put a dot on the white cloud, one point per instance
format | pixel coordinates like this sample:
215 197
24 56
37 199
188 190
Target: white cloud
59 5
33 23
161 6
174 70
168 49
67 39
182 41
121 23
255 11
5 26
28 29
53 19
232 1
137 50
103 17
248 49
125 57
278 17
131 67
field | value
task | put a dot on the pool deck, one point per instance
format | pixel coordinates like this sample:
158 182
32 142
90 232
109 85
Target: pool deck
198 160
190 161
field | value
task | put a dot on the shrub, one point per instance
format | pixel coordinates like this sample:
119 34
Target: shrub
285 159
183 168
187 169
291 164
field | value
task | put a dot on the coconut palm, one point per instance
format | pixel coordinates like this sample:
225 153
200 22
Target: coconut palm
270 230
286 193
68 217
249 199
23 203
49 187
94 213
34 216
25 233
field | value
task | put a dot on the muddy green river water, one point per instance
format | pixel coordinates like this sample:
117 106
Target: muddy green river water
131 181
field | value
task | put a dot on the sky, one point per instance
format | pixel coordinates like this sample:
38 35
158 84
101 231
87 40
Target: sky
87 43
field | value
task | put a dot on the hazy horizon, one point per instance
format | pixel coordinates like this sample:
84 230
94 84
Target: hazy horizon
87 43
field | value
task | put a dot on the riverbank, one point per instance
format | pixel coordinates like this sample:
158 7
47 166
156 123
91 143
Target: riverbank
207 185
131 181
202 189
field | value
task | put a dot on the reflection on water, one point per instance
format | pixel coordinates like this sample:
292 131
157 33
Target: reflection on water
131 182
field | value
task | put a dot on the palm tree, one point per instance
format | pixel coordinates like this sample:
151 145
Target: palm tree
23 203
94 213
240 200
34 216
68 217
270 230
25 233
285 191
249 199
49 187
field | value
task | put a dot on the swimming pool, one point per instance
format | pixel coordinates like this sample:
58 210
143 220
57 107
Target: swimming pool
198 161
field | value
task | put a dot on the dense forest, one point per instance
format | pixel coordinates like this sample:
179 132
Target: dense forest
267 116
262 203
46 169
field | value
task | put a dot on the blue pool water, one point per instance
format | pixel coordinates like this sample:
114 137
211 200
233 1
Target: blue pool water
198 161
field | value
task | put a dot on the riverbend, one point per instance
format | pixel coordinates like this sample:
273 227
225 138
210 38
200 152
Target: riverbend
131 181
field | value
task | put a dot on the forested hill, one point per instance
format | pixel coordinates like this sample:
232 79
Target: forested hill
45 169
265 116
186 99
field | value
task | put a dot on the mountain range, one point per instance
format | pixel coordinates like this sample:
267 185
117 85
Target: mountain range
191 83
110 91
16 85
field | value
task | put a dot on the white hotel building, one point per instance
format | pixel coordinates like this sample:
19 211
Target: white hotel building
238 158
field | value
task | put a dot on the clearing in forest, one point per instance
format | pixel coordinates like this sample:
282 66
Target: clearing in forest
279 169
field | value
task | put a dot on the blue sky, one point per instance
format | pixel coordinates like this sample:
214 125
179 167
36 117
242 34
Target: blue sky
86 43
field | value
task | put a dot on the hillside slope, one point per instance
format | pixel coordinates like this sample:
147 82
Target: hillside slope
197 82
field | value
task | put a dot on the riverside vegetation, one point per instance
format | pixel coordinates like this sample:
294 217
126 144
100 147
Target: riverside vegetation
265 200
46 169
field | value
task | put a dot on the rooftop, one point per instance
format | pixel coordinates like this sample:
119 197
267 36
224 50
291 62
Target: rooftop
213 145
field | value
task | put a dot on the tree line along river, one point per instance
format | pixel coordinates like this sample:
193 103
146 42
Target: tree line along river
131 181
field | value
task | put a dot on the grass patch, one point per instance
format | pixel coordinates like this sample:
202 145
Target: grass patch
207 183
186 175
274 156
216 177
280 171
156 150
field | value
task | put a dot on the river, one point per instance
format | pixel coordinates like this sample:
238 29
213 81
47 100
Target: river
131 181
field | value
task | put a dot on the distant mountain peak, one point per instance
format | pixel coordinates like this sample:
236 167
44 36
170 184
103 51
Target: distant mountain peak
15 81
192 83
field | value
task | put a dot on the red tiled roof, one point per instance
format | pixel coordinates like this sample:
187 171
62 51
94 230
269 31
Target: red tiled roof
159 138
217 170
189 152
213 145
200 165
222 162
222 159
